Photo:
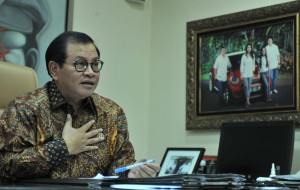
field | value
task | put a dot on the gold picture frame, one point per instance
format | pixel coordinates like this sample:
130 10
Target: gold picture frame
205 38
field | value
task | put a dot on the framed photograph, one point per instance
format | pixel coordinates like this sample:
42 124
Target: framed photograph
243 67
180 161
26 30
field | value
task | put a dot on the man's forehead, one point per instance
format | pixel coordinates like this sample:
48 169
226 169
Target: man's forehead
76 48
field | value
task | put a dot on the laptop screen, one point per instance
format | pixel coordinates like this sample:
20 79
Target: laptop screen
250 148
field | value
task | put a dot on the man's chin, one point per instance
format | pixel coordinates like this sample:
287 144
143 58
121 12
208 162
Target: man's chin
86 94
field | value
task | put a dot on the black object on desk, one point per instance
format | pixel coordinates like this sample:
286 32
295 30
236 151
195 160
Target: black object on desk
250 148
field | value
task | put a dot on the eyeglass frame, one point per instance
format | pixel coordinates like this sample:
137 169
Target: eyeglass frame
75 62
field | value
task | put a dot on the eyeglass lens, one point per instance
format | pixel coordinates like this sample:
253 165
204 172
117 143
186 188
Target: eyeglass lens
81 65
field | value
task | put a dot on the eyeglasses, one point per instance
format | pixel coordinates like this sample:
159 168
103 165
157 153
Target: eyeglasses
82 64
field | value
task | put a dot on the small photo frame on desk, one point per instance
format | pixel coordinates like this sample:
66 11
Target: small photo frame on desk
180 161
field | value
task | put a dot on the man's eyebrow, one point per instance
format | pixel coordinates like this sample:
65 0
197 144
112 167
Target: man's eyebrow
81 57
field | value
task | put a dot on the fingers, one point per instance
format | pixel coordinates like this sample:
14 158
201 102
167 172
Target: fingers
94 133
142 171
154 167
94 140
147 170
94 136
89 148
87 126
134 174
78 139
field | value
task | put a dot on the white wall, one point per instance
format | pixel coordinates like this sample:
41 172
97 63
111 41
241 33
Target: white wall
122 31
143 47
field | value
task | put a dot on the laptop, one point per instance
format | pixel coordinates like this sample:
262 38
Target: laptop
250 148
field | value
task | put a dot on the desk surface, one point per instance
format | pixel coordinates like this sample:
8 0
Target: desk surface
70 187
160 182
28 186
22 186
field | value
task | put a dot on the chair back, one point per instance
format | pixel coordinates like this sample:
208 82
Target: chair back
15 80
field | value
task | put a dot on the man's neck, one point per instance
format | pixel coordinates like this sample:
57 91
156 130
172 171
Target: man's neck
76 105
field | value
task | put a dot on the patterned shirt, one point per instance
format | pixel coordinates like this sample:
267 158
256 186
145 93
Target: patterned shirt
31 143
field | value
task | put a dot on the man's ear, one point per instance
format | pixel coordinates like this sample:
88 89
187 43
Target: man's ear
53 68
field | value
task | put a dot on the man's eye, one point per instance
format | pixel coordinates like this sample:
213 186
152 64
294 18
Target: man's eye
95 64
80 63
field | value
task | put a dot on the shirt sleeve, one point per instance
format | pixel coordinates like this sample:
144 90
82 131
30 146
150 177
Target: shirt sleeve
268 53
253 65
58 151
242 64
278 53
216 63
21 154
123 153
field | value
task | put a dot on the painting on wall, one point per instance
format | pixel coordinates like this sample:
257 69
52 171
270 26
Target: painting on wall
243 67
26 29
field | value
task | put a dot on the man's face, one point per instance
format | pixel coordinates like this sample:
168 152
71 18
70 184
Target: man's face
270 41
223 51
75 85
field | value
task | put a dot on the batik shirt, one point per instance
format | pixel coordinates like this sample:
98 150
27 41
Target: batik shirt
31 143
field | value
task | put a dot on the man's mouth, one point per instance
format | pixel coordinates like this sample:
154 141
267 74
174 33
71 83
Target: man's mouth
91 83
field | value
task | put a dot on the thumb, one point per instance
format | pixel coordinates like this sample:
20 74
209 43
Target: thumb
68 121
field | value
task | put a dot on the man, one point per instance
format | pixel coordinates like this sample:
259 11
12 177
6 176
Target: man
64 130
274 63
221 66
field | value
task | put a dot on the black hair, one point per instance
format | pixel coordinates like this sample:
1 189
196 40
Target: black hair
261 55
270 37
57 50
251 52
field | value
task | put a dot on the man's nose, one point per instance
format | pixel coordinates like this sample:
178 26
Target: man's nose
89 70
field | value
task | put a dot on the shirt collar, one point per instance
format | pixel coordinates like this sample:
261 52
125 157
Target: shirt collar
57 99
55 96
